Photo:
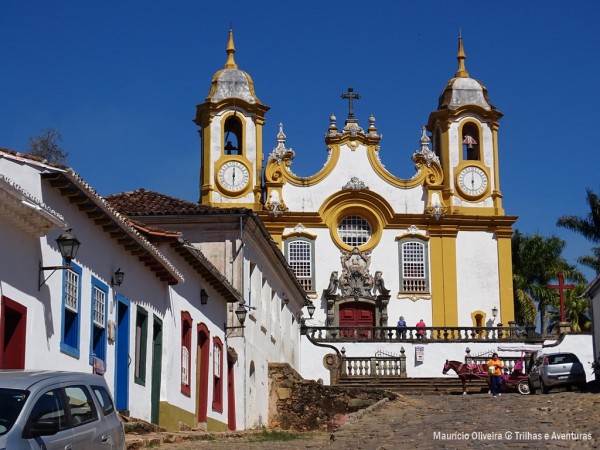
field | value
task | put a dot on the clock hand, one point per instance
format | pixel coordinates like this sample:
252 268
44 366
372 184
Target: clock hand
233 176
472 181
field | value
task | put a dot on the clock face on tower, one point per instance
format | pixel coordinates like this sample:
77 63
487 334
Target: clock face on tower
233 176
472 181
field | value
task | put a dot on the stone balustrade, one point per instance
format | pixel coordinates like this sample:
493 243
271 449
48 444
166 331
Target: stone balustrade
431 334
374 367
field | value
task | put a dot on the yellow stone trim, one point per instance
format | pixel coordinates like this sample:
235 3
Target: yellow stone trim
461 125
366 204
304 234
470 163
408 235
170 416
280 173
215 425
444 290
226 115
505 276
426 175
242 160
474 319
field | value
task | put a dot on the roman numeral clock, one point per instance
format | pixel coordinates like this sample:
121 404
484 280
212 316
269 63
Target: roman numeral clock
233 176
472 182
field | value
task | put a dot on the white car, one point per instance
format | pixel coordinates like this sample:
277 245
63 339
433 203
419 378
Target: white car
57 410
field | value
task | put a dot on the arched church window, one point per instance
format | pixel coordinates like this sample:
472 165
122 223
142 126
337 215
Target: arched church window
232 136
300 257
354 231
471 142
414 266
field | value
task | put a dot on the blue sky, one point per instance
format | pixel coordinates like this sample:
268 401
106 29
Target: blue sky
120 80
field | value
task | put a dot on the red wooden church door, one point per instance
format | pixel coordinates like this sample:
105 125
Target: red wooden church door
357 314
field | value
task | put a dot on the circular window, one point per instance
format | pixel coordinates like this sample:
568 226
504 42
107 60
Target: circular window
354 231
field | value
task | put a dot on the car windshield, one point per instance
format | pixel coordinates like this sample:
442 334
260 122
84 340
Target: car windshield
12 401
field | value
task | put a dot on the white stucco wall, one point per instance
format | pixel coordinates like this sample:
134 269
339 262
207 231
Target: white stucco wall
353 164
435 354
478 282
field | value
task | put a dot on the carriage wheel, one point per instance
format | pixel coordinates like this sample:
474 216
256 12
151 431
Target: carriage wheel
523 387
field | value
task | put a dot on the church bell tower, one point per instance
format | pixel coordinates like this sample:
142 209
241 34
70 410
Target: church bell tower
465 139
231 123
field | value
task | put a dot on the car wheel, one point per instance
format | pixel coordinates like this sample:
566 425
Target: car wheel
543 387
582 387
523 387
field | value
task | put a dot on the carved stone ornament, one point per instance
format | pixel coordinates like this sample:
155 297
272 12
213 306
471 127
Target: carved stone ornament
413 297
355 280
425 153
413 230
299 228
275 205
355 185
280 152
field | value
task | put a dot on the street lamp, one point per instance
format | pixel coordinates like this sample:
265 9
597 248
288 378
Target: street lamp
240 312
117 278
494 312
68 245
311 308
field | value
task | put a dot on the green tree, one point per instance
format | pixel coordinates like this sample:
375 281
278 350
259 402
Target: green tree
47 146
588 227
536 262
577 311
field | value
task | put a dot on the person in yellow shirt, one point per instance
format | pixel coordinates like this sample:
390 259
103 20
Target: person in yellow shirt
495 367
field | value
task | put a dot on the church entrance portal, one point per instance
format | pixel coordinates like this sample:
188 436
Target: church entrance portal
357 314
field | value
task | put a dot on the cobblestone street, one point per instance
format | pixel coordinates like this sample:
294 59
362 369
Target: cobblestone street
557 420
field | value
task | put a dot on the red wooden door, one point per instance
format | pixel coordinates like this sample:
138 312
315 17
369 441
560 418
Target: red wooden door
13 323
356 314
231 425
202 375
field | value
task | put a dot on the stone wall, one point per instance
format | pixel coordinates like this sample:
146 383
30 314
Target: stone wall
298 404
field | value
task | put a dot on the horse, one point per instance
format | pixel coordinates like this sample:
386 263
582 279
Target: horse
467 372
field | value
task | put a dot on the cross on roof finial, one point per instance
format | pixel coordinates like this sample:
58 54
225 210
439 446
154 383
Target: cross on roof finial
350 95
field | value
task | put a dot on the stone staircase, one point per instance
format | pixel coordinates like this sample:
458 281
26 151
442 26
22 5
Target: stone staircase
417 386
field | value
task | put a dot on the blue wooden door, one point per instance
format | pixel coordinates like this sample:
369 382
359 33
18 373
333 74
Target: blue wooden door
122 355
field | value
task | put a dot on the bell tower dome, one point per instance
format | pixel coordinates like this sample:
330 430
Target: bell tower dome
465 139
231 123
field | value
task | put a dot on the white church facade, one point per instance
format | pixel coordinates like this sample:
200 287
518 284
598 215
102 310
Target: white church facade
440 239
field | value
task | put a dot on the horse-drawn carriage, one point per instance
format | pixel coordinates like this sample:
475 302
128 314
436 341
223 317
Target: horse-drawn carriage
515 374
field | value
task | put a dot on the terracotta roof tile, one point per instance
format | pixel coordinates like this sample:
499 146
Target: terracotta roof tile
148 203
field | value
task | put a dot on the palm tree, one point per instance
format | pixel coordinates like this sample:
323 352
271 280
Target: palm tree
588 227
536 262
577 311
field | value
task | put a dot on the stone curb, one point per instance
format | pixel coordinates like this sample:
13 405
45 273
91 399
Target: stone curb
135 441
358 414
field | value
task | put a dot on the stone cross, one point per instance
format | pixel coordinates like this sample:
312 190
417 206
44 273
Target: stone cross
350 95
561 286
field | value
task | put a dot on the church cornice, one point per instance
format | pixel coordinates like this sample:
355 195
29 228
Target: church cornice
206 111
445 116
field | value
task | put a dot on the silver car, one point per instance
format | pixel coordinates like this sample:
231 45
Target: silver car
556 370
57 410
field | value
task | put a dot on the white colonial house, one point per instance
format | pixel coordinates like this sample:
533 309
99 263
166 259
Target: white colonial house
238 246
140 305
